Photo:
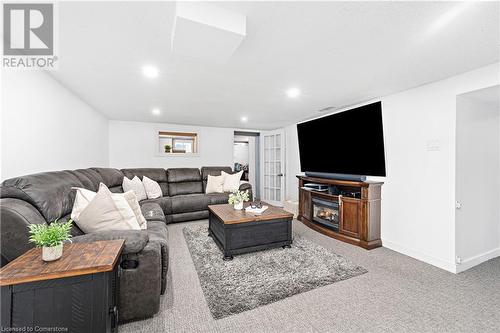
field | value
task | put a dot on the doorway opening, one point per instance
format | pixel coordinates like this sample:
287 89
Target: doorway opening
246 158
477 177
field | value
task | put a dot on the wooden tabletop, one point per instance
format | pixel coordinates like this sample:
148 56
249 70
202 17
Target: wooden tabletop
77 259
227 214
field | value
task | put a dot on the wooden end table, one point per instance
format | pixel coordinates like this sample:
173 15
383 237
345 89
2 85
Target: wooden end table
77 293
237 232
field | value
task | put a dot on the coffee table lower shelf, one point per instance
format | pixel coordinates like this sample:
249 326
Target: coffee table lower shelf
239 238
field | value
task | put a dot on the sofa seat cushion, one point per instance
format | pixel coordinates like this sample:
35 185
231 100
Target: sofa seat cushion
190 203
218 198
152 211
164 202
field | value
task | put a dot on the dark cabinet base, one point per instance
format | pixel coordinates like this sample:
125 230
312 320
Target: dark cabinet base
246 237
359 210
85 303
368 245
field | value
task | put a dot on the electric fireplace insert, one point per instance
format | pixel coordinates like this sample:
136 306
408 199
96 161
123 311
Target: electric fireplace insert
326 213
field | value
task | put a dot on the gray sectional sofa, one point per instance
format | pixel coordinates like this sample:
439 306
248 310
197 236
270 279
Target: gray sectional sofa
44 197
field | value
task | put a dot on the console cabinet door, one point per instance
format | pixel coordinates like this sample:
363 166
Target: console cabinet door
350 217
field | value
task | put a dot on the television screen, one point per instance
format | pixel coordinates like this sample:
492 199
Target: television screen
350 142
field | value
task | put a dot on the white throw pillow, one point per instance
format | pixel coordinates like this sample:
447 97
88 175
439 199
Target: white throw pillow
123 205
134 185
84 196
215 184
231 182
82 199
153 189
104 213
136 208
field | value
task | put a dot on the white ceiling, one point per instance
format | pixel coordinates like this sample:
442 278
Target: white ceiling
338 53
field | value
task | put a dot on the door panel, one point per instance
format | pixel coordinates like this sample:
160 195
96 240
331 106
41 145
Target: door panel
273 161
350 216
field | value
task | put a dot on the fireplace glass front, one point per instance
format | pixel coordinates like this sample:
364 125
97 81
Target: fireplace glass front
326 213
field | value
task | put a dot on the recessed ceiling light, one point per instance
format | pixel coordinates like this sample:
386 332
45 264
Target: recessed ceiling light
293 92
244 119
150 72
156 111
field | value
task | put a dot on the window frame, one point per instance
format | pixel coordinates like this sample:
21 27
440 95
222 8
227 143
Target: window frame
161 133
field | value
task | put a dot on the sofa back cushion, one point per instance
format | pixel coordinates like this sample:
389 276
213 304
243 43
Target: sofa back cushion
49 192
213 171
89 178
112 178
159 175
184 181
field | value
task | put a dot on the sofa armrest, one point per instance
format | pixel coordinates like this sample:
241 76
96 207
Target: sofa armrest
15 216
247 186
135 240
152 212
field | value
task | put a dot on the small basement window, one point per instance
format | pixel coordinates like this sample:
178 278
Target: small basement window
177 143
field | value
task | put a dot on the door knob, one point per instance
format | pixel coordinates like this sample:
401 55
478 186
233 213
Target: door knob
279 175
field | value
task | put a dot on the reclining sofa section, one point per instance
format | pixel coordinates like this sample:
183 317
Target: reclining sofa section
45 197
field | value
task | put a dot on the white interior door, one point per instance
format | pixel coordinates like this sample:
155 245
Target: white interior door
273 167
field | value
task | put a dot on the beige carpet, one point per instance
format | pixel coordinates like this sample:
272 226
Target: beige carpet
398 294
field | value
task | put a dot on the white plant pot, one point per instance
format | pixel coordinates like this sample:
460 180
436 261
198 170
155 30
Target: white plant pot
51 253
238 206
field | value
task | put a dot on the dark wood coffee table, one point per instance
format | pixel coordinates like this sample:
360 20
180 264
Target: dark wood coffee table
237 232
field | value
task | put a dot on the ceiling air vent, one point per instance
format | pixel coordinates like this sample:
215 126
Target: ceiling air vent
328 109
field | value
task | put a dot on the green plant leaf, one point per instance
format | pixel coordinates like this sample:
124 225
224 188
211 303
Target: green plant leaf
51 234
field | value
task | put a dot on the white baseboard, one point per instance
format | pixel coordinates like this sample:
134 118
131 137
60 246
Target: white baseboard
476 260
448 266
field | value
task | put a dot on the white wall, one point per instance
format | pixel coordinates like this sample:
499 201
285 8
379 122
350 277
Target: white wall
252 163
46 127
292 163
478 180
134 144
240 153
418 211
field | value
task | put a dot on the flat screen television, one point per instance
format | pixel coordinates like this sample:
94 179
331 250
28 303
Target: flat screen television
348 143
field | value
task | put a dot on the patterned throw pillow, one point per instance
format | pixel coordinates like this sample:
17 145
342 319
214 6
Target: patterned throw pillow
135 185
232 182
153 189
215 184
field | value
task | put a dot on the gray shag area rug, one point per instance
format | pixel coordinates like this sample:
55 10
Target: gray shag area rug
259 278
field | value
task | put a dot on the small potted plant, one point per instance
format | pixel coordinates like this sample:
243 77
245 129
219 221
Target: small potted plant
168 148
237 198
50 238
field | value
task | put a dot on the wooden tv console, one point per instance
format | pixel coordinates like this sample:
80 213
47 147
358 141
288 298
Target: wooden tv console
359 217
